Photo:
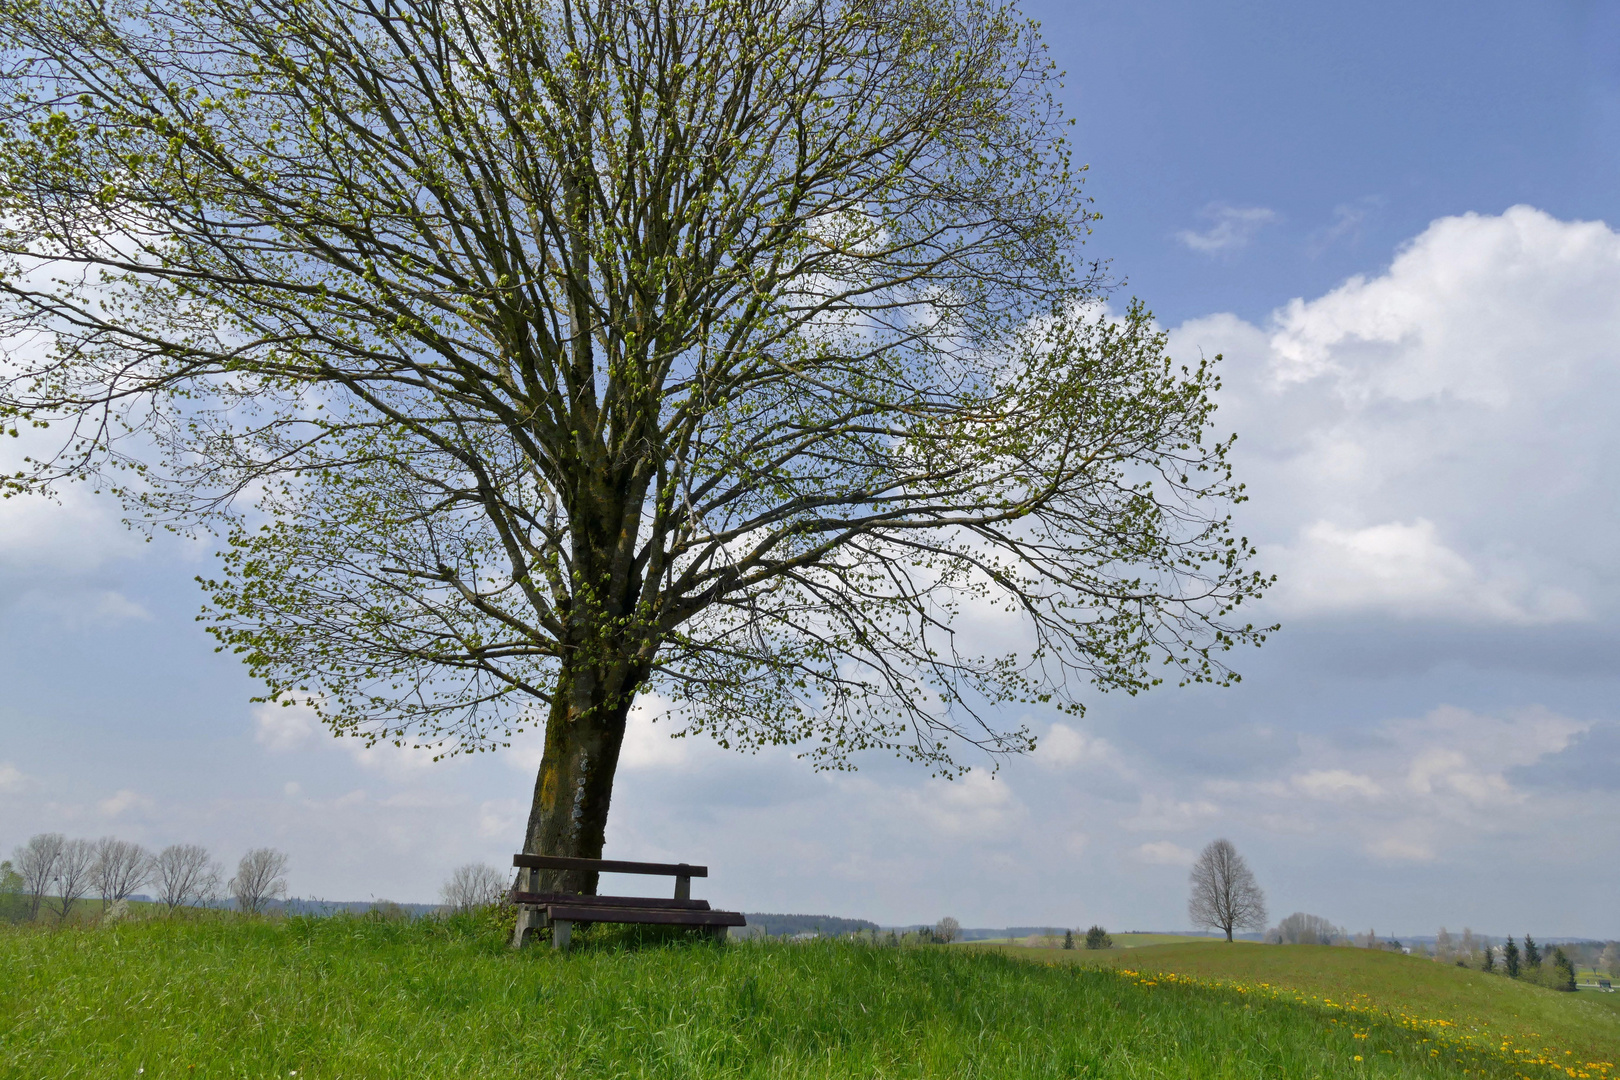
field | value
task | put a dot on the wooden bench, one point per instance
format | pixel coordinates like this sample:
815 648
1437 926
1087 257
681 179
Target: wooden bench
561 911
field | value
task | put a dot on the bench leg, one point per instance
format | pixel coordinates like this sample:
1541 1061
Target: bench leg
527 919
719 933
561 929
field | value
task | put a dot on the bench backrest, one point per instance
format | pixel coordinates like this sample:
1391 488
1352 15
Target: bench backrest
681 872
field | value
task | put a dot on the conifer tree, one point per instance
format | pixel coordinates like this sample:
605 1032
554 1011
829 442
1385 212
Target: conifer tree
1532 953
1510 958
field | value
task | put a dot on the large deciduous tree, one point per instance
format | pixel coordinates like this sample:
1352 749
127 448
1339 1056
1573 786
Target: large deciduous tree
532 354
1224 893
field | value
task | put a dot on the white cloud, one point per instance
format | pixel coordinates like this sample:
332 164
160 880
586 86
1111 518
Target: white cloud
1165 853
1336 784
977 806
1409 788
11 777
395 762
647 741
280 728
1436 442
1064 747
122 801
286 728
1234 227
1406 570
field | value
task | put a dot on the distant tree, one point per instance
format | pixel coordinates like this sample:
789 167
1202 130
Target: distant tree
1444 947
1510 958
259 879
185 875
37 862
120 868
1302 929
1563 971
947 930
1068 939
1489 963
1532 953
1224 892
473 886
1610 960
1098 938
12 902
75 872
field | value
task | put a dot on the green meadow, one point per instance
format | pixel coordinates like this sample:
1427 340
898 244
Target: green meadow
367 997
1489 1008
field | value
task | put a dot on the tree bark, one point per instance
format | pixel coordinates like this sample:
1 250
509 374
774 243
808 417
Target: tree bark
574 787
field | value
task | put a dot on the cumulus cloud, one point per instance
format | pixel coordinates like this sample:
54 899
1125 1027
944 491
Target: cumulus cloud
11 777
1409 571
1064 747
1436 441
1234 227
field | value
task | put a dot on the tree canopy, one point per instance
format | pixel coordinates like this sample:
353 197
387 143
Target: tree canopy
534 354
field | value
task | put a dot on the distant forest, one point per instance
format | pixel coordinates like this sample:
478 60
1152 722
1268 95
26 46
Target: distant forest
790 925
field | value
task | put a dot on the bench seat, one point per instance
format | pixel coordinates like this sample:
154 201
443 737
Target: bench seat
541 899
561 910
584 911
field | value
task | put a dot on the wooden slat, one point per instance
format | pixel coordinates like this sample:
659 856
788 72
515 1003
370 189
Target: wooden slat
607 866
658 916
541 898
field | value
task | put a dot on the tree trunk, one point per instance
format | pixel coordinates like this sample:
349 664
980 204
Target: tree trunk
584 733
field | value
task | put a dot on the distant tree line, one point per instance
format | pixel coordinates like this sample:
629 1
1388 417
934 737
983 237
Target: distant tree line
51 875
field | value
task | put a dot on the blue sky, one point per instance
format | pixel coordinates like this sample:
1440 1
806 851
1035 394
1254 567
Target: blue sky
1391 220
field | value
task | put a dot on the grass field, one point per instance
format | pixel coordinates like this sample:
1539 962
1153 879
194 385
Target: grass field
356 997
1121 941
1584 1025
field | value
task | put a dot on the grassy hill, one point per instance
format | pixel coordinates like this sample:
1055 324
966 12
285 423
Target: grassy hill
1584 1025
362 997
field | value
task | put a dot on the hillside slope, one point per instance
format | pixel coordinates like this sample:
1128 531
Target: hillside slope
1582 1025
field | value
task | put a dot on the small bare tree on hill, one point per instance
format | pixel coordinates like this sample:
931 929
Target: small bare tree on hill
1304 929
75 871
185 875
259 879
947 930
473 886
120 868
1224 892
36 862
